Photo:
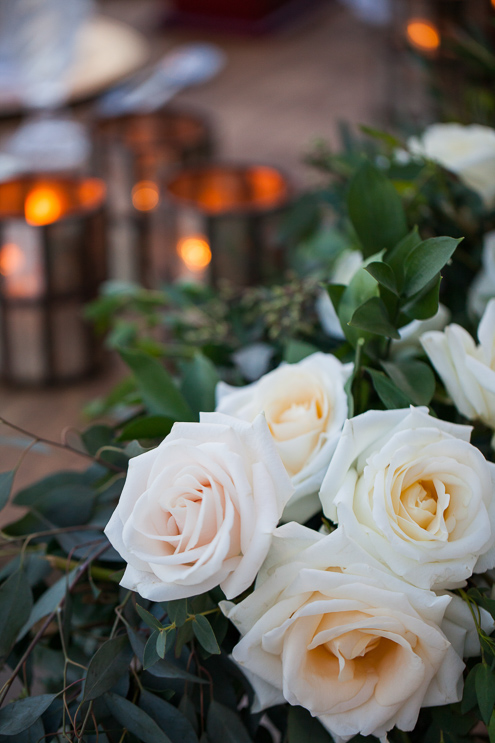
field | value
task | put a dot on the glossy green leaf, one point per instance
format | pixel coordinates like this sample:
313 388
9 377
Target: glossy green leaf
335 292
425 303
388 392
150 427
396 256
20 715
469 697
160 395
303 728
382 273
361 288
16 602
425 261
485 691
222 724
414 378
204 634
372 316
161 643
177 611
134 719
6 482
107 666
199 384
168 718
375 210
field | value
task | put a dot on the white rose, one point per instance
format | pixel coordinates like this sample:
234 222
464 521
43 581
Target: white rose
200 509
305 407
483 287
466 369
359 648
413 492
468 151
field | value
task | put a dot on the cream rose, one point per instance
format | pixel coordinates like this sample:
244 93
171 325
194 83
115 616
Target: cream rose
466 369
305 407
200 509
413 492
359 648
468 151
483 287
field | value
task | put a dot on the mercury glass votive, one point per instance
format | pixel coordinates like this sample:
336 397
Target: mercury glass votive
52 260
225 223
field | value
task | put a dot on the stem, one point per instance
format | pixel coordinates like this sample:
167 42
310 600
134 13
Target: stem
49 532
59 445
95 571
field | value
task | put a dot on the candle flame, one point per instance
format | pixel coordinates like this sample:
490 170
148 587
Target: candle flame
42 206
145 196
423 35
195 252
12 259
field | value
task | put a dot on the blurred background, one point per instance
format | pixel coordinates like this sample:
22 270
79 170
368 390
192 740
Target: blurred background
146 143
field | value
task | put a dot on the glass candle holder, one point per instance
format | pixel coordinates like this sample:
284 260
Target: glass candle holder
52 260
225 226
136 153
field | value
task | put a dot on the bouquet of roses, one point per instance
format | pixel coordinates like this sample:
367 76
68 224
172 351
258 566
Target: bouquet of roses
310 559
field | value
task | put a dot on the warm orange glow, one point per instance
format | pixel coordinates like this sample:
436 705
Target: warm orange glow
493 3
145 196
43 205
195 252
423 35
12 259
91 192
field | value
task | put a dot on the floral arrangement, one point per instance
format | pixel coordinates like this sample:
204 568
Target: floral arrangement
288 538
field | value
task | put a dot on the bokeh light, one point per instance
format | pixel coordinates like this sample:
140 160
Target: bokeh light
423 35
12 259
145 196
43 205
195 252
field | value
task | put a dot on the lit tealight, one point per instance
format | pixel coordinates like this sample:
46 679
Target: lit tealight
145 196
12 259
42 206
195 252
423 35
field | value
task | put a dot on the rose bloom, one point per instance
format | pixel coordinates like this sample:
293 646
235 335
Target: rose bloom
200 509
305 405
482 288
467 151
413 492
359 648
466 369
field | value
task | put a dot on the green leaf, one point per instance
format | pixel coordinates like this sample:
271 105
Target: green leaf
177 611
375 210
97 436
297 351
160 394
222 724
303 728
47 602
20 715
414 378
424 304
161 643
162 668
177 726
491 728
57 482
6 482
396 256
148 618
382 273
107 666
485 691
388 392
385 137
205 635
134 719
469 698
361 288
151 656
199 384
372 316
150 427
335 292
425 261
16 602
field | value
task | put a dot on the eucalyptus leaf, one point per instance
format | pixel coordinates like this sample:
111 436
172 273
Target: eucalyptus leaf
303 728
168 717
163 668
34 734
425 261
177 611
160 395
199 384
204 634
47 602
58 481
135 720
375 210
148 618
6 482
414 378
372 316
149 427
107 666
16 601
150 652
20 715
222 724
